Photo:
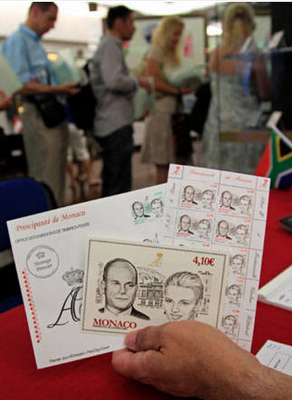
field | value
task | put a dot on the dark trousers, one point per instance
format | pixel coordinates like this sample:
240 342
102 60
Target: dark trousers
117 161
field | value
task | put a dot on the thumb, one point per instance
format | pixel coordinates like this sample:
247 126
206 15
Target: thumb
144 339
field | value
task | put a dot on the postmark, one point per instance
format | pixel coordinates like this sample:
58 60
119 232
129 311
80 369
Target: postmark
42 261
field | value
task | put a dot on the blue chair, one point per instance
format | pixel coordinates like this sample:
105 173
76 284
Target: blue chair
19 197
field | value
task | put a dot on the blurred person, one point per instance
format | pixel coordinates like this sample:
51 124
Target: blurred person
183 296
45 148
243 84
163 54
114 89
78 151
193 359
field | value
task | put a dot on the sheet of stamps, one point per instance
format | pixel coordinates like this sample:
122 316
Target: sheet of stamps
222 211
130 285
49 251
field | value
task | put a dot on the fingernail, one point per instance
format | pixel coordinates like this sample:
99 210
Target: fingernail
130 340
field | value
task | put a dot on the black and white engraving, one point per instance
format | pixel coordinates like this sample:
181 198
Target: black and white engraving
183 296
241 235
223 230
237 264
184 227
204 230
119 285
234 294
226 200
139 211
230 324
207 199
157 208
188 196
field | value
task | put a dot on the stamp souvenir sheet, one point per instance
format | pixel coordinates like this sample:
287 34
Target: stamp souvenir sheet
222 211
130 285
49 252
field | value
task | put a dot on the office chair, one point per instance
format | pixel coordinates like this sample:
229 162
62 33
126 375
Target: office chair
19 197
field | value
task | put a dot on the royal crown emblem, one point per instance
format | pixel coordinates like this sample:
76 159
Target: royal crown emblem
73 276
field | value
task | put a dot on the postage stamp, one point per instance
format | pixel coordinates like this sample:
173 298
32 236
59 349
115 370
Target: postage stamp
129 285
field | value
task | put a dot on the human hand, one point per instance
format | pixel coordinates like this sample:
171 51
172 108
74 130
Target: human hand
5 101
69 88
189 358
187 90
145 83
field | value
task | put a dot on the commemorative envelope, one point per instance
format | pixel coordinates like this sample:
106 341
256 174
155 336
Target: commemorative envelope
130 285
49 252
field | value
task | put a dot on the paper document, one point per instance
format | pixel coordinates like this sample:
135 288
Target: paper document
9 82
277 356
49 250
278 291
65 68
222 211
130 285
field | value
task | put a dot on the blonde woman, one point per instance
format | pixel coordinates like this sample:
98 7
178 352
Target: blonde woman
237 85
163 54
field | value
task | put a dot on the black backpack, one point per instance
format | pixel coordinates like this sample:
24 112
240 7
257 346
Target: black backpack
82 105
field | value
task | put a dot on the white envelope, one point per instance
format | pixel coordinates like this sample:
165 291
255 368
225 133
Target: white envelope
49 252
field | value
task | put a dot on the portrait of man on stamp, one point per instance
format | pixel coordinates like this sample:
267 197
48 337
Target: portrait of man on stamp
138 210
185 224
223 230
226 200
189 195
119 285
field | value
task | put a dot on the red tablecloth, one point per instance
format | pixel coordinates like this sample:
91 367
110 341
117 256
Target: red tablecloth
94 378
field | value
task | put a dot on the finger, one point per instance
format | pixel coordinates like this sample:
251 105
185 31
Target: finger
135 365
145 339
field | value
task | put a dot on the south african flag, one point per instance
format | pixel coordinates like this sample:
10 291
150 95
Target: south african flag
276 161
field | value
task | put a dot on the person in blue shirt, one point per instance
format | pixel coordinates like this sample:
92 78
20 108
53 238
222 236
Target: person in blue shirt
45 148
